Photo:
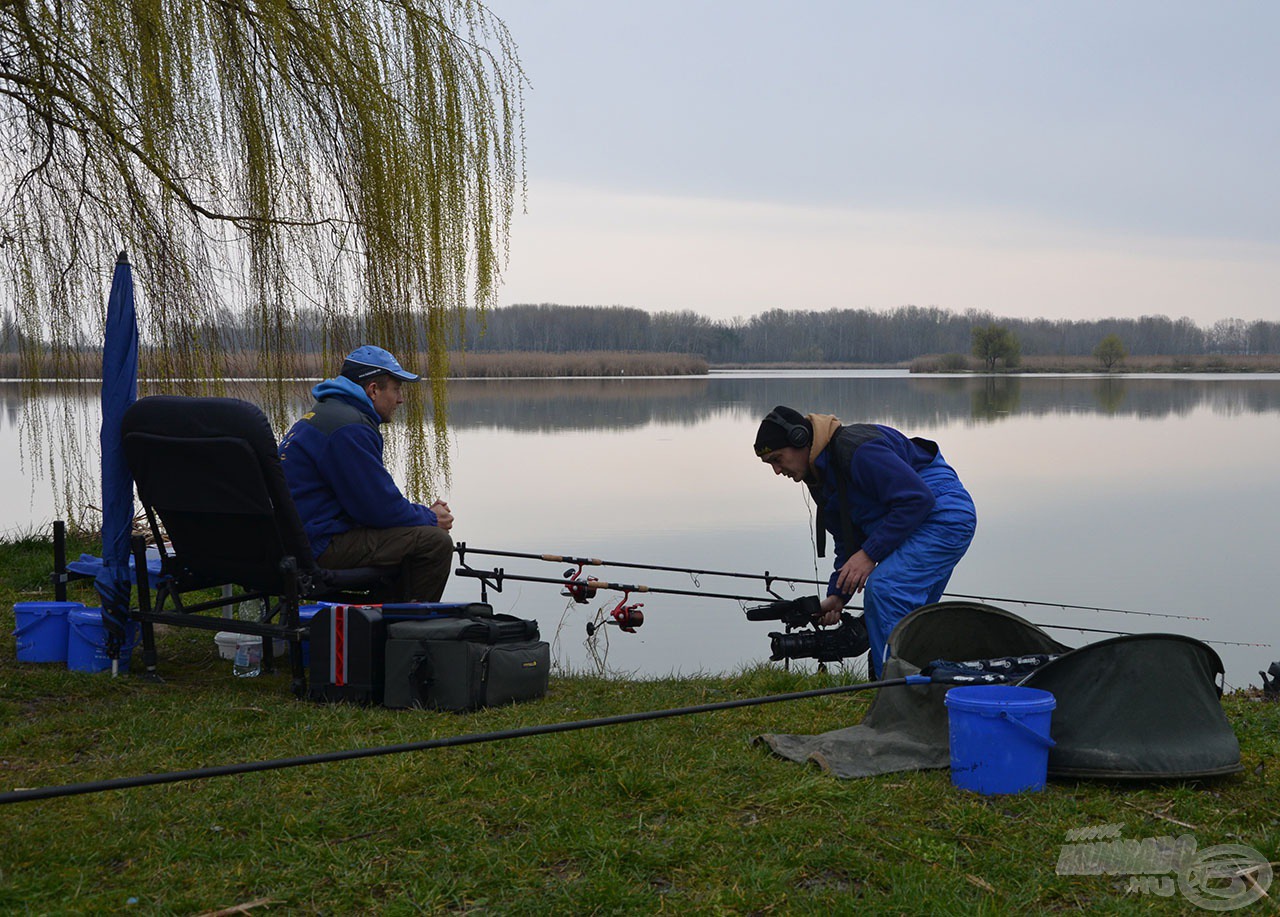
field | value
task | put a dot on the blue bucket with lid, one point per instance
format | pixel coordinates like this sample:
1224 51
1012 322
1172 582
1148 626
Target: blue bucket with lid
40 630
87 642
999 738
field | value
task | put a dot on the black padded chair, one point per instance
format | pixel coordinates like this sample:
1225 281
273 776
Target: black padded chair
208 471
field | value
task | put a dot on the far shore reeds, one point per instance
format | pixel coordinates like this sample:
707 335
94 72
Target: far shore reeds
1153 363
481 365
604 363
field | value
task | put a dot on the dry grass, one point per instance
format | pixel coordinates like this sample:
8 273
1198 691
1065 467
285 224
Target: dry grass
515 364
508 365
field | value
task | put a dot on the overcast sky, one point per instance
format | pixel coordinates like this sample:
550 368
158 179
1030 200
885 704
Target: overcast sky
1061 159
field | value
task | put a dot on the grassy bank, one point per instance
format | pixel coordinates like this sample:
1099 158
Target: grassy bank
680 815
1204 363
248 365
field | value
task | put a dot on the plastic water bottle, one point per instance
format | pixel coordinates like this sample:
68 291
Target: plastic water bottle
248 660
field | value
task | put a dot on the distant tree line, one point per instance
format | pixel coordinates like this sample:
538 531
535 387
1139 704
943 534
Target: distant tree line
786 336
847 335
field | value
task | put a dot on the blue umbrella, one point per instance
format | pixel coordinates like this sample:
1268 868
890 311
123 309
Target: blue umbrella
119 390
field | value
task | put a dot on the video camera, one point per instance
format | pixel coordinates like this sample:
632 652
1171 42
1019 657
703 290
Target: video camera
847 640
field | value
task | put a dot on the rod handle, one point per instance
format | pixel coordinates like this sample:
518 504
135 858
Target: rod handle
563 559
617 587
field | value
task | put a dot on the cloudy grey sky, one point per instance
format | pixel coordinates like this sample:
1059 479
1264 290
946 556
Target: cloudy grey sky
1061 159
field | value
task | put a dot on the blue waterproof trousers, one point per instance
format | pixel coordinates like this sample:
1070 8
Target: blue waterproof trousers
917 571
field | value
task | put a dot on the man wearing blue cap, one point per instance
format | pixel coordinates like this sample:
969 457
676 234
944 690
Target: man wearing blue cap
353 512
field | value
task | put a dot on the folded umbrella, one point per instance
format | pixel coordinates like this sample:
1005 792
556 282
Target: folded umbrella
119 390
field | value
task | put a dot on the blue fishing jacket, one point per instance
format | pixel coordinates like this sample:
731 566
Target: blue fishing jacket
891 484
332 461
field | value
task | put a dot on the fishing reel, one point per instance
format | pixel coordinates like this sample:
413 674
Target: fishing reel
627 617
577 587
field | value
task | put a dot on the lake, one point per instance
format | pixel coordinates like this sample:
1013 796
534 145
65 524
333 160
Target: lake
1155 494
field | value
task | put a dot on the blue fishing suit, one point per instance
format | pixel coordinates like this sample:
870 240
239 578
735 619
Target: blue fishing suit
898 500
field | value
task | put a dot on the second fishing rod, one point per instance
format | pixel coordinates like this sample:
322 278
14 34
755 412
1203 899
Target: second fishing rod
848 639
462 549
801 638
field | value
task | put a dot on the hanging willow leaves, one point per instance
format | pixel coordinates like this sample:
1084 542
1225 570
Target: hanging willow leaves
354 162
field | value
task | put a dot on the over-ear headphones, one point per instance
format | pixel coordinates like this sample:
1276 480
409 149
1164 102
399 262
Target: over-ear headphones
797 434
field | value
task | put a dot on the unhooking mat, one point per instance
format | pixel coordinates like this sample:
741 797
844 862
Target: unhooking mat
1145 706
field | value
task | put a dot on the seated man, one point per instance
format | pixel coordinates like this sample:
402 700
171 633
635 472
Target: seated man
352 510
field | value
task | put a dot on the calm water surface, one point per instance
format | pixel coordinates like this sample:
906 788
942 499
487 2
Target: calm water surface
1149 493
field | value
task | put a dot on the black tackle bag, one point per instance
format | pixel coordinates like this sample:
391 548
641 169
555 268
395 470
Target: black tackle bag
347 647
464 662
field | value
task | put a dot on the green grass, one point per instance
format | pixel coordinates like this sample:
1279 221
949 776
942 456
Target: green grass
677 815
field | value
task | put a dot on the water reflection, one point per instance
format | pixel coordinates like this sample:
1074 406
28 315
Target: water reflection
998 395
542 405
1087 491
912 401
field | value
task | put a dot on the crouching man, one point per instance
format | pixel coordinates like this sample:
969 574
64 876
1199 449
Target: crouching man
900 516
353 512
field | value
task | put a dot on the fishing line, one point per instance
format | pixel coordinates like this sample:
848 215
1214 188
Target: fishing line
227 770
810 506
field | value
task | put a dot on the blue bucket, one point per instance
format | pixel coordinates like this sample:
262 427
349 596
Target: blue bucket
305 614
41 630
87 642
999 738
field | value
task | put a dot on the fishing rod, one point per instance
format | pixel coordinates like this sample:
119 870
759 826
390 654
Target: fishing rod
1118 611
1121 633
629 617
583 589
122 783
462 548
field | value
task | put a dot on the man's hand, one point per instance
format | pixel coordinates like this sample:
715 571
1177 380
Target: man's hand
854 573
831 607
444 518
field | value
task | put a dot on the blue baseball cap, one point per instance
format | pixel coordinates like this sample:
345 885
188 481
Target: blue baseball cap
367 362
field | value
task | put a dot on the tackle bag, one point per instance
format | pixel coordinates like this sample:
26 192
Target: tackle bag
464 662
348 643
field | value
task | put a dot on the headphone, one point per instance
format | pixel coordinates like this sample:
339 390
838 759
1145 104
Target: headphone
798 435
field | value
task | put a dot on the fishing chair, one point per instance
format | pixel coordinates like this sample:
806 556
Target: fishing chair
209 479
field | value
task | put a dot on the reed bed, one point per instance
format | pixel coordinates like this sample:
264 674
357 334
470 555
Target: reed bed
1156 363
501 365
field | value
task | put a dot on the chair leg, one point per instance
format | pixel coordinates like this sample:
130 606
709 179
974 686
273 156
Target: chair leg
299 684
143 582
59 561
268 643
289 617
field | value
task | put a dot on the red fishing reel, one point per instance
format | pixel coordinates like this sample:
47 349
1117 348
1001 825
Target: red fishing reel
627 617
579 588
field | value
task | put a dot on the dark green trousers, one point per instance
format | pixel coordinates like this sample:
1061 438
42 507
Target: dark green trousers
424 553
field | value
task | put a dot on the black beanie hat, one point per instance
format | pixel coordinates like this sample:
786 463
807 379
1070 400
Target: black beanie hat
775 430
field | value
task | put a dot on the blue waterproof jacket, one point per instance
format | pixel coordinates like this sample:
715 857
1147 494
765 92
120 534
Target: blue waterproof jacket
890 486
332 460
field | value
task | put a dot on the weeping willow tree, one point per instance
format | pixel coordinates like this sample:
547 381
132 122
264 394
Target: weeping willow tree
353 159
